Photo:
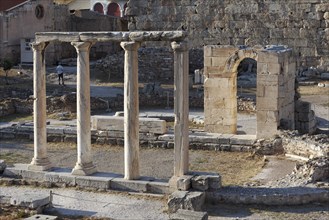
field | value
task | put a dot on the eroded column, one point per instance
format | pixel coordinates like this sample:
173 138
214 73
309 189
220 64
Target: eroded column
131 110
40 160
181 109
84 165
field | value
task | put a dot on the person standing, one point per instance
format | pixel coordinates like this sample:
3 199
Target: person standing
60 73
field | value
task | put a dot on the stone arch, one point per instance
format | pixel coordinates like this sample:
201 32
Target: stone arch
232 63
275 92
113 9
98 7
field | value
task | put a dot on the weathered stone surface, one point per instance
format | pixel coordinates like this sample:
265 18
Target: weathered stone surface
32 201
189 215
115 123
42 217
129 185
110 36
186 200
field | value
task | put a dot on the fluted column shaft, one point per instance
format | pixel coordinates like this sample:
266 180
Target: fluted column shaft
40 160
181 108
131 110
84 165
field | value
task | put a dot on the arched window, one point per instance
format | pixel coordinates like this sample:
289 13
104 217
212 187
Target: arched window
113 10
98 7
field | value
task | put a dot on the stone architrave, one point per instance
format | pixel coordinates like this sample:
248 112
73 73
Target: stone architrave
181 108
40 160
84 165
131 111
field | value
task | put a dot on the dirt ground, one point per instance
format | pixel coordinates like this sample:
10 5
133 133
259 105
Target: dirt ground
235 168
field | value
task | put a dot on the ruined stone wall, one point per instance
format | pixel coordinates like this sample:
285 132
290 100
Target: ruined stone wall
303 25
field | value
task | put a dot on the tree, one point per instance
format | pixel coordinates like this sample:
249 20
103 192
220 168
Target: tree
6 65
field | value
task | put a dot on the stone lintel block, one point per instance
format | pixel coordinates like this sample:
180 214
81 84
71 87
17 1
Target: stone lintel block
243 139
189 215
110 36
129 185
115 123
93 182
158 187
56 36
52 130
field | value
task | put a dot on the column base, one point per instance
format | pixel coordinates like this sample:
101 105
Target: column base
84 169
40 164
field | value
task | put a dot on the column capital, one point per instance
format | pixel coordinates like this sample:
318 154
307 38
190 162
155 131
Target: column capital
179 46
130 45
82 46
38 46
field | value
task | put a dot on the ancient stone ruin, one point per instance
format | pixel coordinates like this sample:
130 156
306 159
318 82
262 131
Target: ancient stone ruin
276 67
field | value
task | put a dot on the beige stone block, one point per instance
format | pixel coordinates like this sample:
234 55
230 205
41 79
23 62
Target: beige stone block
115 123
274 68
265 103
218 61
224 52
271 91
269 57
207 51
268 117
260 90
207 61
266 130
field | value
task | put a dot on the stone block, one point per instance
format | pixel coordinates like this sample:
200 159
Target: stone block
194 201
166 137
67 179
70 131
243 140
158 187
52 130
225 138
32 201
189 215
52 177
70 138
176 201
129 185
115 123
93 182
199 183
182 183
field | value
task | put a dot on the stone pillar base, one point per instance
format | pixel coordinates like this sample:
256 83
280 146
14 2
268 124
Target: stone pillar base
40 164
84 170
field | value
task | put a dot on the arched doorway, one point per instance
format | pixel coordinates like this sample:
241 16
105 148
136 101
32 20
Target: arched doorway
98 7
113 9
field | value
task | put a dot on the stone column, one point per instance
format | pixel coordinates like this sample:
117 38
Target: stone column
181 109
131 110
84 165
40 160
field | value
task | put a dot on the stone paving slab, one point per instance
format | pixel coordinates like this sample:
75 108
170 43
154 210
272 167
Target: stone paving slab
98 181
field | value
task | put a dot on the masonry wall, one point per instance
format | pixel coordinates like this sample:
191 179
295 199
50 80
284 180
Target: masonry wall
303 25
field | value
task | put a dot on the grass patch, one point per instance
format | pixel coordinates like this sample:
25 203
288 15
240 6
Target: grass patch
12 158
236 168
313 90
17 118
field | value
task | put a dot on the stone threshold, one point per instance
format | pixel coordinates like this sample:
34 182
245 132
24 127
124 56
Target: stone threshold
62 177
